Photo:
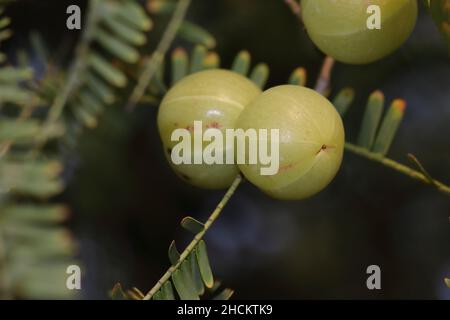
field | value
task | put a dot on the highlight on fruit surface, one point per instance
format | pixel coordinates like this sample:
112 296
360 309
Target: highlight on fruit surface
339 28
311 140
215 97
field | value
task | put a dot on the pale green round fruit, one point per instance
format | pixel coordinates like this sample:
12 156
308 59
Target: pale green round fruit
311 141
339 27
215 97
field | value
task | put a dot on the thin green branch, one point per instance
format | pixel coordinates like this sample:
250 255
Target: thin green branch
75 71
152 64
322 86
397 166
197 238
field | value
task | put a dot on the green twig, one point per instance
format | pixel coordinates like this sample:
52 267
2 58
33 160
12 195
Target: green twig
322 86
397 166
152 64
197 238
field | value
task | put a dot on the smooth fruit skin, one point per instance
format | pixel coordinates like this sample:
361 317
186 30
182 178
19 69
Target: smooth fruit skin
339 27
311 140
215 97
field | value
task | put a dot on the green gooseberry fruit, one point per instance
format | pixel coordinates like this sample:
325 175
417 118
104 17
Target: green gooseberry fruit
215 97
339 27
311 141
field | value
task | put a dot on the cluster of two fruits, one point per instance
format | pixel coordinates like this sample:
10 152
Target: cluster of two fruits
311 134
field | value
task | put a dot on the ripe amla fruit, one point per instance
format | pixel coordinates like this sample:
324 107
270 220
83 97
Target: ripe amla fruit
339 27
311 141
215 97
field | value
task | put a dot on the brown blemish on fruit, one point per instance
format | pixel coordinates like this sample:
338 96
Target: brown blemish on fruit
285 167
214 124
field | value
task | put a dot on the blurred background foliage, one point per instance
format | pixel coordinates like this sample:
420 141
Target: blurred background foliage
126 203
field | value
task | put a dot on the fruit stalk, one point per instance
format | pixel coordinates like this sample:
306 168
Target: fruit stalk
323 82
294 5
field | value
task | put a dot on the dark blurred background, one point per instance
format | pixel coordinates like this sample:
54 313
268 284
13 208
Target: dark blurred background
127 204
